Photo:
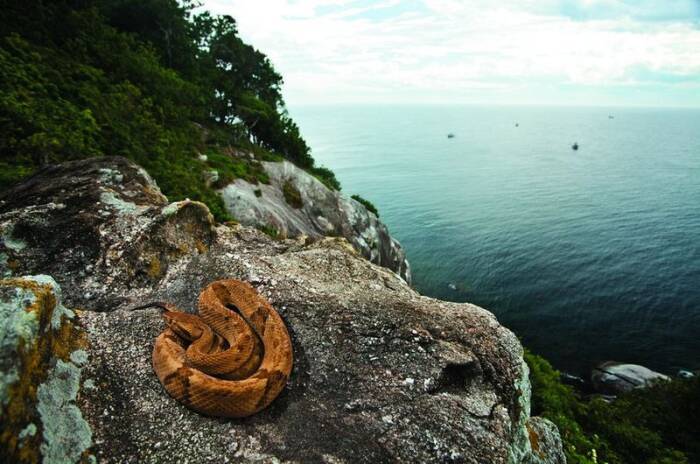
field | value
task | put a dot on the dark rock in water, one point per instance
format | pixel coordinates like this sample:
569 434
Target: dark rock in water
574 146
613 378
450 136
381 373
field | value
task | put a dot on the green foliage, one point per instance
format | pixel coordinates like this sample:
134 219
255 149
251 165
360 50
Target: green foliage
558 403
367 204
231 167
146 79
269 230
292 195
326 176
655 425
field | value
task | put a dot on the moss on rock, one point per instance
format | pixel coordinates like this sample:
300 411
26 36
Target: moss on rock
292 195
39 374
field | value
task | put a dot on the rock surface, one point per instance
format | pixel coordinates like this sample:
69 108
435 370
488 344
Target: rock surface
40 370
544 436
613 378
381 373
322 212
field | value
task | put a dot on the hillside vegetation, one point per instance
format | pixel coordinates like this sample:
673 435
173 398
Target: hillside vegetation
657 425
156 81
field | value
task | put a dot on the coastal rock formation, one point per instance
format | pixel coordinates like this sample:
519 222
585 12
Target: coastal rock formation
41 358
295 203
613 378
381 373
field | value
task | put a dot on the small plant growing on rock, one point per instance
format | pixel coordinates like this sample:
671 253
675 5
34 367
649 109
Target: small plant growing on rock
292 195
269 230
367 204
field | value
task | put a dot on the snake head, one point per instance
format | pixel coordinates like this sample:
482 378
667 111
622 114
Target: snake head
186 326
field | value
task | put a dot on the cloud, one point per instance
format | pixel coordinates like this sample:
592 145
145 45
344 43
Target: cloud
640 10
479 51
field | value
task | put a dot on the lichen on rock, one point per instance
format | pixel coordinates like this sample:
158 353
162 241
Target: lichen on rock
66 434
381 373
40 350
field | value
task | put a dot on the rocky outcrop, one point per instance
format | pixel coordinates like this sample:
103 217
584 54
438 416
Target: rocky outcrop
614 378
544 437
295 203
41 358
381 373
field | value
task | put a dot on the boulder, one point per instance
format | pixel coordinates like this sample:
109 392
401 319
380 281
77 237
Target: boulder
613 378
42 353
544 436
381 373
317 213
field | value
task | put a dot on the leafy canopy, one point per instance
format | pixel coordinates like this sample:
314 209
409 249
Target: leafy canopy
150 80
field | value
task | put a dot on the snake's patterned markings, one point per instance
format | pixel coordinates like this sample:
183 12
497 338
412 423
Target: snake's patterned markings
230 360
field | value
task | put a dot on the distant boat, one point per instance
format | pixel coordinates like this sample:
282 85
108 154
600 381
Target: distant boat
574 146
450 135
517 125
610 116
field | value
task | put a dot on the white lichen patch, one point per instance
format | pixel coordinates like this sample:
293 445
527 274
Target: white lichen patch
148 180
89 384
119 205
66 435
521 446
28 431
5 270
7 379
16 323
60 310
11 243
79 357
111 176
171 209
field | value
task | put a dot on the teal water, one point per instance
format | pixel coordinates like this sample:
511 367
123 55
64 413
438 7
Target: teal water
586 255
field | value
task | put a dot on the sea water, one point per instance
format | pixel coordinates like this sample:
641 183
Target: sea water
587 255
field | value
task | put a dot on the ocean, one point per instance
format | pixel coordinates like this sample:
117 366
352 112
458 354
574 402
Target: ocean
587 255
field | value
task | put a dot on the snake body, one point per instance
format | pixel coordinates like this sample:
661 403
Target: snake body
230 360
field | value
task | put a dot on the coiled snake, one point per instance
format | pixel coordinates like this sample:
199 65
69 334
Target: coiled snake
230 360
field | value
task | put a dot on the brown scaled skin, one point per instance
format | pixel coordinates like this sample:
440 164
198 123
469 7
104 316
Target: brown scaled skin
230 360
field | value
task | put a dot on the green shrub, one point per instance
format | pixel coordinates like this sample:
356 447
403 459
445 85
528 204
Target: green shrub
152 81
326 176
292 195
270 231
659 424
231 167
367 204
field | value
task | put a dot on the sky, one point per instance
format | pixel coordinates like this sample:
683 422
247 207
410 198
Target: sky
552 52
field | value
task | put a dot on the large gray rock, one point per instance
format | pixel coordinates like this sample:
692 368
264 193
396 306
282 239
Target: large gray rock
323 212
613 378
381 373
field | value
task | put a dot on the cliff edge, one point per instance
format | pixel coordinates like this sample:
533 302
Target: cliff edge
295 203
381 373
